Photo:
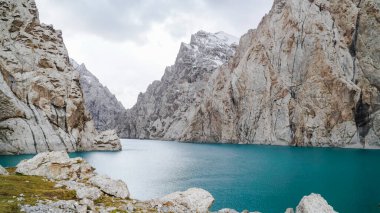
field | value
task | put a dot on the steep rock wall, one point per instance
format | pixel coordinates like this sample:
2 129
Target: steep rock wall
307 76
164 110
41 100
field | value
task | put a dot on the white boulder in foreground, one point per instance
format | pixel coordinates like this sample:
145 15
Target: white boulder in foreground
314 203
3 171
115 188
74 173
57 166
191 200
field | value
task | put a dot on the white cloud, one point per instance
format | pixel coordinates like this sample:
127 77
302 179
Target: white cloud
127 43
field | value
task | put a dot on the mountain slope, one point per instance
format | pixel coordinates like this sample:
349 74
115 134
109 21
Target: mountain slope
307 77
162 111
41 101
106 111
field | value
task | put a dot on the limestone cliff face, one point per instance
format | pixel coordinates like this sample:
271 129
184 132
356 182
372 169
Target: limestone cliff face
106 111
41 101
165 109
307 76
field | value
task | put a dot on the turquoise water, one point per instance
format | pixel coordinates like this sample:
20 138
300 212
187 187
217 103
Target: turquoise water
265 178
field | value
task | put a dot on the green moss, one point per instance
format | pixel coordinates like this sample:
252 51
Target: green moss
109 201
32 187
118 211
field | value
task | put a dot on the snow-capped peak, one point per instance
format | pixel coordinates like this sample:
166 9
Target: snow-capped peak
229 39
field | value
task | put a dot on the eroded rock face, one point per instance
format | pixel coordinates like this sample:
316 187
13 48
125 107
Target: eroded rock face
41 100
106 111
307 76
314 203
165 109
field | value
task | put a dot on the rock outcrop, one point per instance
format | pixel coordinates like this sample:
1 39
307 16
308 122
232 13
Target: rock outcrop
166 108
74 173
57 166
314 203
115 188
307 76
106 111
41 102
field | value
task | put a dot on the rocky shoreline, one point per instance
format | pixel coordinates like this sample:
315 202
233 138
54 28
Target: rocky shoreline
93 192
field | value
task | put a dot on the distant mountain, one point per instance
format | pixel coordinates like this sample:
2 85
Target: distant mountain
106 111
166 108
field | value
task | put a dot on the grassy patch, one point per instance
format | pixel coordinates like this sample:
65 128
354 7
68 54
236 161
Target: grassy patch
109 201
120 204
32 188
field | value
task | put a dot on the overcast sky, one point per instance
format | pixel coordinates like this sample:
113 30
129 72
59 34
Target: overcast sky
128 43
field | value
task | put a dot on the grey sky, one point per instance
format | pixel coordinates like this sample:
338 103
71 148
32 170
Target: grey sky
128 43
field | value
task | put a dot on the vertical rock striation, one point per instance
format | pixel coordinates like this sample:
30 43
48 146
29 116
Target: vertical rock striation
41 103
299 81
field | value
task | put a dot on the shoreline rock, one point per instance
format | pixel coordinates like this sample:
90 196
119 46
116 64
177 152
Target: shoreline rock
115 188
191 200
314 203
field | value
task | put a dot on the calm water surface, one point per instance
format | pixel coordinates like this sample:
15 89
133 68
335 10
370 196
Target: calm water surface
264 178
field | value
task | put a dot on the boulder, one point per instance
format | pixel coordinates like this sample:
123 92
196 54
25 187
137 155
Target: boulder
289 210
314 203
82 190
115 188
191 200
3 171
107 140
61 206
57 166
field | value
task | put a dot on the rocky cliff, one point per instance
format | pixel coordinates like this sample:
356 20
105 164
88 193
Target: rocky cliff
106 111
307 76
166 108
41 101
